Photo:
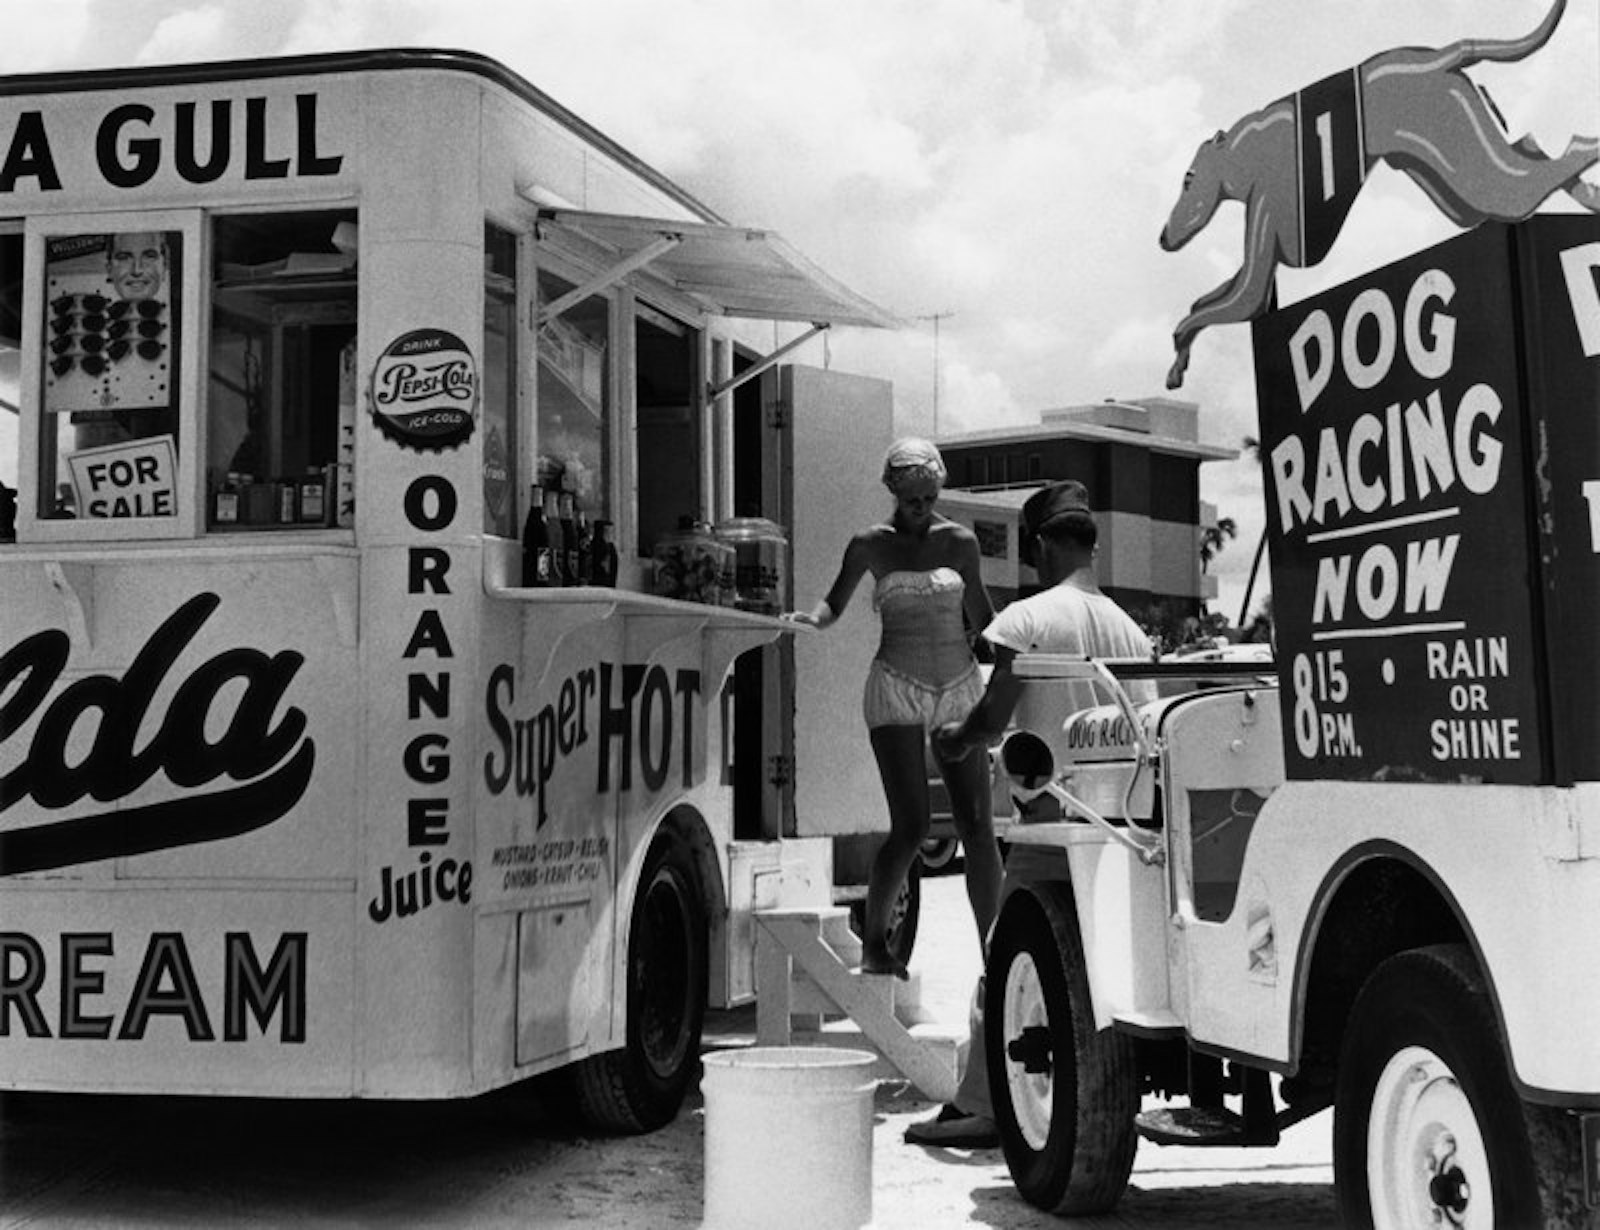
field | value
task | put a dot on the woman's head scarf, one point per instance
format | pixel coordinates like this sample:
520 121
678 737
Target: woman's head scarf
910 458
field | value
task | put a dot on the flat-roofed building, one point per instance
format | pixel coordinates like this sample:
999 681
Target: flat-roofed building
1140 460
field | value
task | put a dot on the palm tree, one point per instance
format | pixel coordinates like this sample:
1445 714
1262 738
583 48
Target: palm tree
1253 447
1213 538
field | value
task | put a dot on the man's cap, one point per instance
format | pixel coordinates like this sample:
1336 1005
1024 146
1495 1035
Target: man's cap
1049 503
1046 505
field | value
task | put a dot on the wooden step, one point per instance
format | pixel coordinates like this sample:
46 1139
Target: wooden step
900 996
802 978
942 1044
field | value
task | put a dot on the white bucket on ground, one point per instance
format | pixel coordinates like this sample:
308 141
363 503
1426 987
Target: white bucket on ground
788 1138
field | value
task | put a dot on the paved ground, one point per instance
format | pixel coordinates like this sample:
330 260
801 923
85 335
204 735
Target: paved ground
499 1161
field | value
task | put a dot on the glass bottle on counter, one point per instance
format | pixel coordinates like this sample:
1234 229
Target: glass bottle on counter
569 539
604 567
313 497
536 570
255 501
285 502
585 549
225 505
558 544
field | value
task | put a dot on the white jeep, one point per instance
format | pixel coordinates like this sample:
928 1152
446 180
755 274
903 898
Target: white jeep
1179 921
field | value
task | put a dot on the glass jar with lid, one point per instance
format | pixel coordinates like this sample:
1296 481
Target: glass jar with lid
692 564
760 563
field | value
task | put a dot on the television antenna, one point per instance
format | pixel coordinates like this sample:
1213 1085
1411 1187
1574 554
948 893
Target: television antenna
936 317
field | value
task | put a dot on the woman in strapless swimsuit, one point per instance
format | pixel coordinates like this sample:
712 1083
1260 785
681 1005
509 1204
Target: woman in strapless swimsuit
925 577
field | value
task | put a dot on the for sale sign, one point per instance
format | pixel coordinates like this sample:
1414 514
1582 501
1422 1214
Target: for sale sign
126 480
1401 523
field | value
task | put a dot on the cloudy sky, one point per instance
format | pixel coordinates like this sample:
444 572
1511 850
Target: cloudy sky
1004 165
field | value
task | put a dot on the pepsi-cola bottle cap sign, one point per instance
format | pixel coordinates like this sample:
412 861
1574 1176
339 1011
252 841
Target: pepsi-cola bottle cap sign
424 392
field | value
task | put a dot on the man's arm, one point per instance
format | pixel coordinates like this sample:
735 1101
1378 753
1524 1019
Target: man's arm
989 717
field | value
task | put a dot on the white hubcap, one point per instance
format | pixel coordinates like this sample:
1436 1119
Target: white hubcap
1427 1164
1027 1025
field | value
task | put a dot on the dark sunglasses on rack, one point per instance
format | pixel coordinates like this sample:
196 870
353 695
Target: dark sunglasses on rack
92 364
145 328
147 308
89 303
145 350
89 324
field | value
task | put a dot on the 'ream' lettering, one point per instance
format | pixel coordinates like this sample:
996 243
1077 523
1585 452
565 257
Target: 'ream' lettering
167 985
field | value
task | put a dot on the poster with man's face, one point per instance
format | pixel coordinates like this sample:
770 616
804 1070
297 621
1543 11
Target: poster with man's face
109 322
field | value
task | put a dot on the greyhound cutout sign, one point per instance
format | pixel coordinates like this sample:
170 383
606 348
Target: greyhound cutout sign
1298 164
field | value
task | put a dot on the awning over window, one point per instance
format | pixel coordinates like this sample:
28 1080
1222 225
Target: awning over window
725 270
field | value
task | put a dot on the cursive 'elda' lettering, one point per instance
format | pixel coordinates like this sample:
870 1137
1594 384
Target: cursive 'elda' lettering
271 761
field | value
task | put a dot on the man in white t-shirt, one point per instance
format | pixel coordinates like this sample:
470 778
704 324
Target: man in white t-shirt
1069 616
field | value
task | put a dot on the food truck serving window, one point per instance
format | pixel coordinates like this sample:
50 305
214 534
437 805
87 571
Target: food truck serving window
574 399
109 382
669 442
107 367
280 417
500 433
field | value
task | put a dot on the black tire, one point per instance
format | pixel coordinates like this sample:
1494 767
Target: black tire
1424 1051
1065 1095
903 918
641 1087
938 855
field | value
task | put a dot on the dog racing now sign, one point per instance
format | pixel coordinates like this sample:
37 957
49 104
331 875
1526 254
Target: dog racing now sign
1431 453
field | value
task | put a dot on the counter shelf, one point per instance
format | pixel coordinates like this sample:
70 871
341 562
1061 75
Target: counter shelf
652 622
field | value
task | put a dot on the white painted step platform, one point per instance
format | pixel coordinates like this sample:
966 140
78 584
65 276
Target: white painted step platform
807 971
940 1044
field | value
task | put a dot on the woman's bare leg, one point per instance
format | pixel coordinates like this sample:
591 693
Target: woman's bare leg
972 812
903 766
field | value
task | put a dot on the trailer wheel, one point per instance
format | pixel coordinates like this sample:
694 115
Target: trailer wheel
939 854
904 916
1065 1094
1428 1129
640 1088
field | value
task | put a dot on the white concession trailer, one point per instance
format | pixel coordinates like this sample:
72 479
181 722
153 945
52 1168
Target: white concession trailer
302 791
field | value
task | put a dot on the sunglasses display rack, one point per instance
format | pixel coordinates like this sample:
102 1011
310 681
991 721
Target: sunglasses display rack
106 353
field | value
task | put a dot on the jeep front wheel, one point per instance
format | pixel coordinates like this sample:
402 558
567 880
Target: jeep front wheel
1065 1094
